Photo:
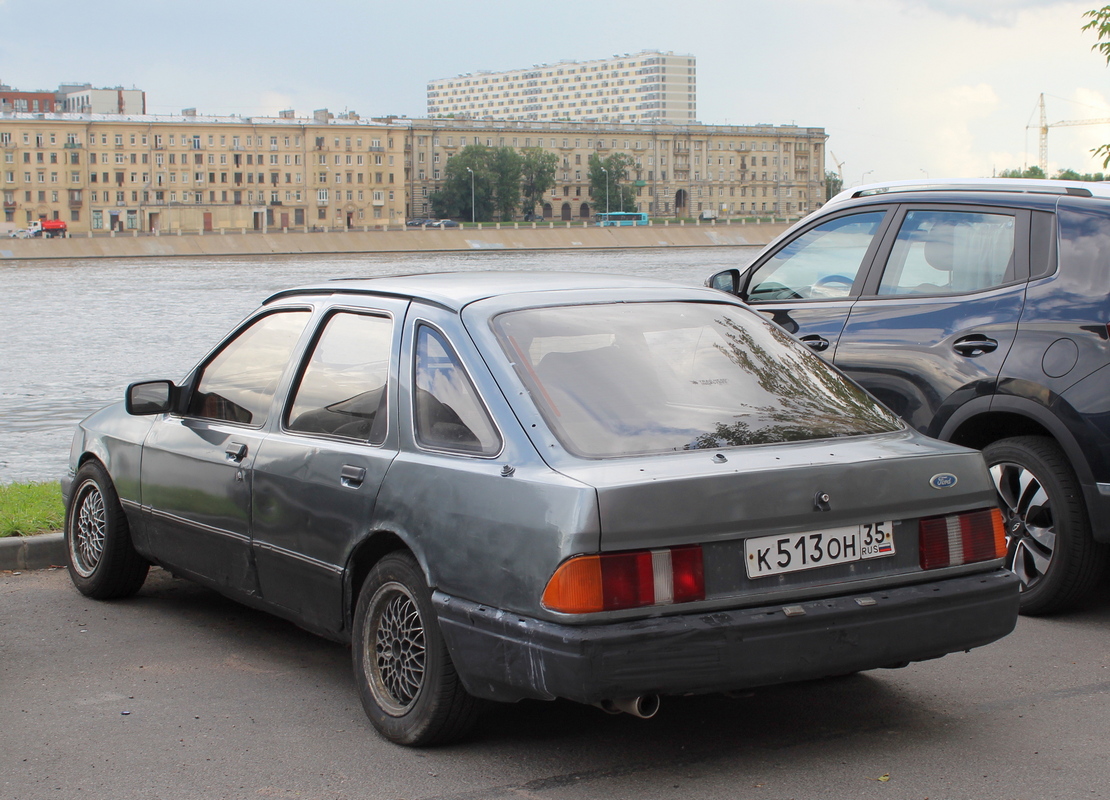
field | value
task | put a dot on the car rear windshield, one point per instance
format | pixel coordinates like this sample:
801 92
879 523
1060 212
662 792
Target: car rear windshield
633 378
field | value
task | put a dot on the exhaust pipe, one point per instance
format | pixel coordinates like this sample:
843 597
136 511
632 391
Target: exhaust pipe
645 706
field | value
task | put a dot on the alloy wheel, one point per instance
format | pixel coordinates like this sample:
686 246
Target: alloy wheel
1030 522
89 528
396 649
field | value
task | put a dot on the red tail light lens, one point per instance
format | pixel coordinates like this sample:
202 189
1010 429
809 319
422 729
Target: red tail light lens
635 579
961 539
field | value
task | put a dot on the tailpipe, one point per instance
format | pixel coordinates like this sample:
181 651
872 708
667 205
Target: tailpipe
645 706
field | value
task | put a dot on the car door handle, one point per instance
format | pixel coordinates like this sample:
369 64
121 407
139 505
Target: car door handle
974 345
815 343
352 477
235 451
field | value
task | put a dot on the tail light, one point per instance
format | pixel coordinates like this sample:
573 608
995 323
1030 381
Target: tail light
612 581
961 539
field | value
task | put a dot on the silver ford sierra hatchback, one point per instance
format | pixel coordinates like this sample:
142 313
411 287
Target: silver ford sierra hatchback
500 486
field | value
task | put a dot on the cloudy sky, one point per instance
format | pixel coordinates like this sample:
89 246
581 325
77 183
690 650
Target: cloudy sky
902 87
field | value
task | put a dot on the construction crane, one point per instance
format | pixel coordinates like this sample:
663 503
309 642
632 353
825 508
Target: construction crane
1044 126
839 167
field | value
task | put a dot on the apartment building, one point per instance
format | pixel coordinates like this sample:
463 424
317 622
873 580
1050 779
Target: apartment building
678 170
102 172
650 86
84 99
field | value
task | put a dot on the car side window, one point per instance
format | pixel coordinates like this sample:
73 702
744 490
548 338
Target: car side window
448 412
342 391
822 263
950 252
238 384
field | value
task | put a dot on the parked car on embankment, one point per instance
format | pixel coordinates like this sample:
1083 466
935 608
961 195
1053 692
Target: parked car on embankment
500 486
979 311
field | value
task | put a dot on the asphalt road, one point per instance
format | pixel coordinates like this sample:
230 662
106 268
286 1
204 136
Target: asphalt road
179 693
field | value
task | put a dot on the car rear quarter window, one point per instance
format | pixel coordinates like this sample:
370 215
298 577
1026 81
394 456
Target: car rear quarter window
449 414
238 383
1085 247
635 378
342 391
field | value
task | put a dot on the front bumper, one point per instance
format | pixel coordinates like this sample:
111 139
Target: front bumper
504 656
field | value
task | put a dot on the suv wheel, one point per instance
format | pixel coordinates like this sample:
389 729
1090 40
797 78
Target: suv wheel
1048 532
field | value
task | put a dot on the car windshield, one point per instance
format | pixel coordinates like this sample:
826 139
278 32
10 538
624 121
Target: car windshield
634 378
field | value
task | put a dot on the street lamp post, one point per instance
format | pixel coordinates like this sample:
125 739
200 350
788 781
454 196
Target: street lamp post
863 178
468 169
606 189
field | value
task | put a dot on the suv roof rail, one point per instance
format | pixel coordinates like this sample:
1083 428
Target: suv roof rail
1029 185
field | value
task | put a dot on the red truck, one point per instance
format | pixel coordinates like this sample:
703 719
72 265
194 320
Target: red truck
48 228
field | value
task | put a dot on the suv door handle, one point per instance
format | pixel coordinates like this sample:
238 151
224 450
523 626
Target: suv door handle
351 476
235 451
974 345
815 342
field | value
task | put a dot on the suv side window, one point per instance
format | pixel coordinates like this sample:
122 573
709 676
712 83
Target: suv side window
238 384
343 389
950 252
448 411
822 263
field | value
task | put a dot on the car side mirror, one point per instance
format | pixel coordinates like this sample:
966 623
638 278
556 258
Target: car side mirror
726 281
150 397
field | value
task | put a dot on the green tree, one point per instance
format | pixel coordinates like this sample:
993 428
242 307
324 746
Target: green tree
1030 172
505 173
833 184
489 176
621 194
1098 20
537 176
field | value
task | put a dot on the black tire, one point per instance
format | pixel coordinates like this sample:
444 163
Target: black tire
102 560
1048 532
408 685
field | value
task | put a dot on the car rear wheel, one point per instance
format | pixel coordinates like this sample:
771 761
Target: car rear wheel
102 559
1048 533
408 685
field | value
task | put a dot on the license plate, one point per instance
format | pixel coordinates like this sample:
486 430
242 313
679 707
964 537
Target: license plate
775 555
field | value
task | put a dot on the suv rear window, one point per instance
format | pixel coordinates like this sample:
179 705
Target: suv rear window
634 378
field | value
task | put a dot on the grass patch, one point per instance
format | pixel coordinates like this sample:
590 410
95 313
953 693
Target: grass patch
28 508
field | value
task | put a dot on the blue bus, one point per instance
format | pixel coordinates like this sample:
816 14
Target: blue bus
621 218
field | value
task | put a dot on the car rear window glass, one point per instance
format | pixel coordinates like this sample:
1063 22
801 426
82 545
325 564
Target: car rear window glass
633 378
343 389
238 384
449 413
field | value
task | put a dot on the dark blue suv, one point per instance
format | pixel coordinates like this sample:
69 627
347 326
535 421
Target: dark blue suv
978 311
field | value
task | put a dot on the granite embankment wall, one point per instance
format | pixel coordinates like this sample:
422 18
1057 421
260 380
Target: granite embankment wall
523 237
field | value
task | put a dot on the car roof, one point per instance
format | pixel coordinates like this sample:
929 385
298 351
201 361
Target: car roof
980 187
454 290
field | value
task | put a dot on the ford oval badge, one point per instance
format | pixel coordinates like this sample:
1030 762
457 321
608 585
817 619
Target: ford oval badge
943 480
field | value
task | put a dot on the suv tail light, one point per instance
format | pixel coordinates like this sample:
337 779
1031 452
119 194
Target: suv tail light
612 581
961 539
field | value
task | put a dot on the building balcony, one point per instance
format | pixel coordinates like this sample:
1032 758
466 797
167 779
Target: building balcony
71 145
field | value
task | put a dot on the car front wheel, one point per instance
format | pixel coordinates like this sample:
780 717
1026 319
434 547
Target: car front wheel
408 685
102 560
1048 533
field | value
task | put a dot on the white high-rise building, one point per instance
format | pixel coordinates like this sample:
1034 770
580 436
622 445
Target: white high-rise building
649 86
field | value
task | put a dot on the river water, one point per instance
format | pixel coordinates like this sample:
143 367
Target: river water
74 333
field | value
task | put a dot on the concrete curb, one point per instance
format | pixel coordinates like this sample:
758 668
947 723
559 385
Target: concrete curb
32 552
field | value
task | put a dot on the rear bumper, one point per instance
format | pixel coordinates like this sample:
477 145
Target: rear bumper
503 656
